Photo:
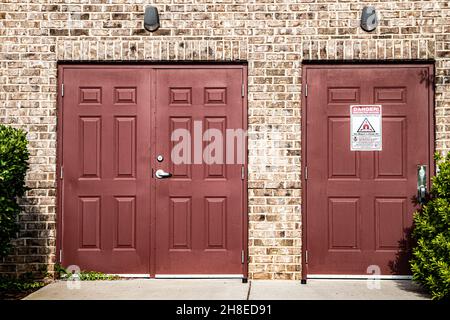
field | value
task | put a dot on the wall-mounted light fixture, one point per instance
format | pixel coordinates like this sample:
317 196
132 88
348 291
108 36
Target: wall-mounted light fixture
369 20
151 19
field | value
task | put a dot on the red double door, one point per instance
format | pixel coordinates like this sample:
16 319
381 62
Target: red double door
359 204
117 216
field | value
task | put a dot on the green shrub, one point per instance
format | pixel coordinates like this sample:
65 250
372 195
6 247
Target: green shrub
63 273
13 167
19 284
431 254
16 288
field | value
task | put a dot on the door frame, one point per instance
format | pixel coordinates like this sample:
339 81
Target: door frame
311 64
59 195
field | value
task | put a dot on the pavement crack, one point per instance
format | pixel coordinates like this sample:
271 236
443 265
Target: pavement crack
249 289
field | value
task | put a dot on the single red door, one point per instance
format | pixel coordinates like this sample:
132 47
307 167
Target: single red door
199 209
105 169
359 207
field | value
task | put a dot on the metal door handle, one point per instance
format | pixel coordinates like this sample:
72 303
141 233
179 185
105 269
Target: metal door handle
161 174
422 193
421 183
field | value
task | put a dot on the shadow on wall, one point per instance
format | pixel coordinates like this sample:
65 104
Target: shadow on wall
427 79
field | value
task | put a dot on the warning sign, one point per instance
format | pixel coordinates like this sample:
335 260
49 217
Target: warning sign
365 128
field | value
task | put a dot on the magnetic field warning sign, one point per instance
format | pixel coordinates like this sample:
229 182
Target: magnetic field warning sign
365 128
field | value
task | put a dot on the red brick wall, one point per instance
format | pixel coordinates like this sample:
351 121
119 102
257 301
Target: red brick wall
273 36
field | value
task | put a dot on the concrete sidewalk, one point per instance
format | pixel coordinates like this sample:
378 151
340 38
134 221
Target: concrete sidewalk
152 289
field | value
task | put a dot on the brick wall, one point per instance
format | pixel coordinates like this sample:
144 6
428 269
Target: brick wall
274 36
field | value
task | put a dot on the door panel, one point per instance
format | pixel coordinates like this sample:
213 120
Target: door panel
199 209
106 197
359 210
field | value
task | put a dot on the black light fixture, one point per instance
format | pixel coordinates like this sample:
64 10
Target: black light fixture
369 20
151 19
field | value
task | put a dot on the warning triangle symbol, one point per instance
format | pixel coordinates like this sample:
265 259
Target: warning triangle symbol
366 126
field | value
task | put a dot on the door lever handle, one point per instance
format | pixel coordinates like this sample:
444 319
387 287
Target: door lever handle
421 183
422 194
161 174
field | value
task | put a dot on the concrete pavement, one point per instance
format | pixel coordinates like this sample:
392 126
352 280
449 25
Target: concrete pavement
146 289
183 289
336 290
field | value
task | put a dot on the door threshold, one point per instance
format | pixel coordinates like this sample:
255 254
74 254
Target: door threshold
358 277
199 276
130 275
